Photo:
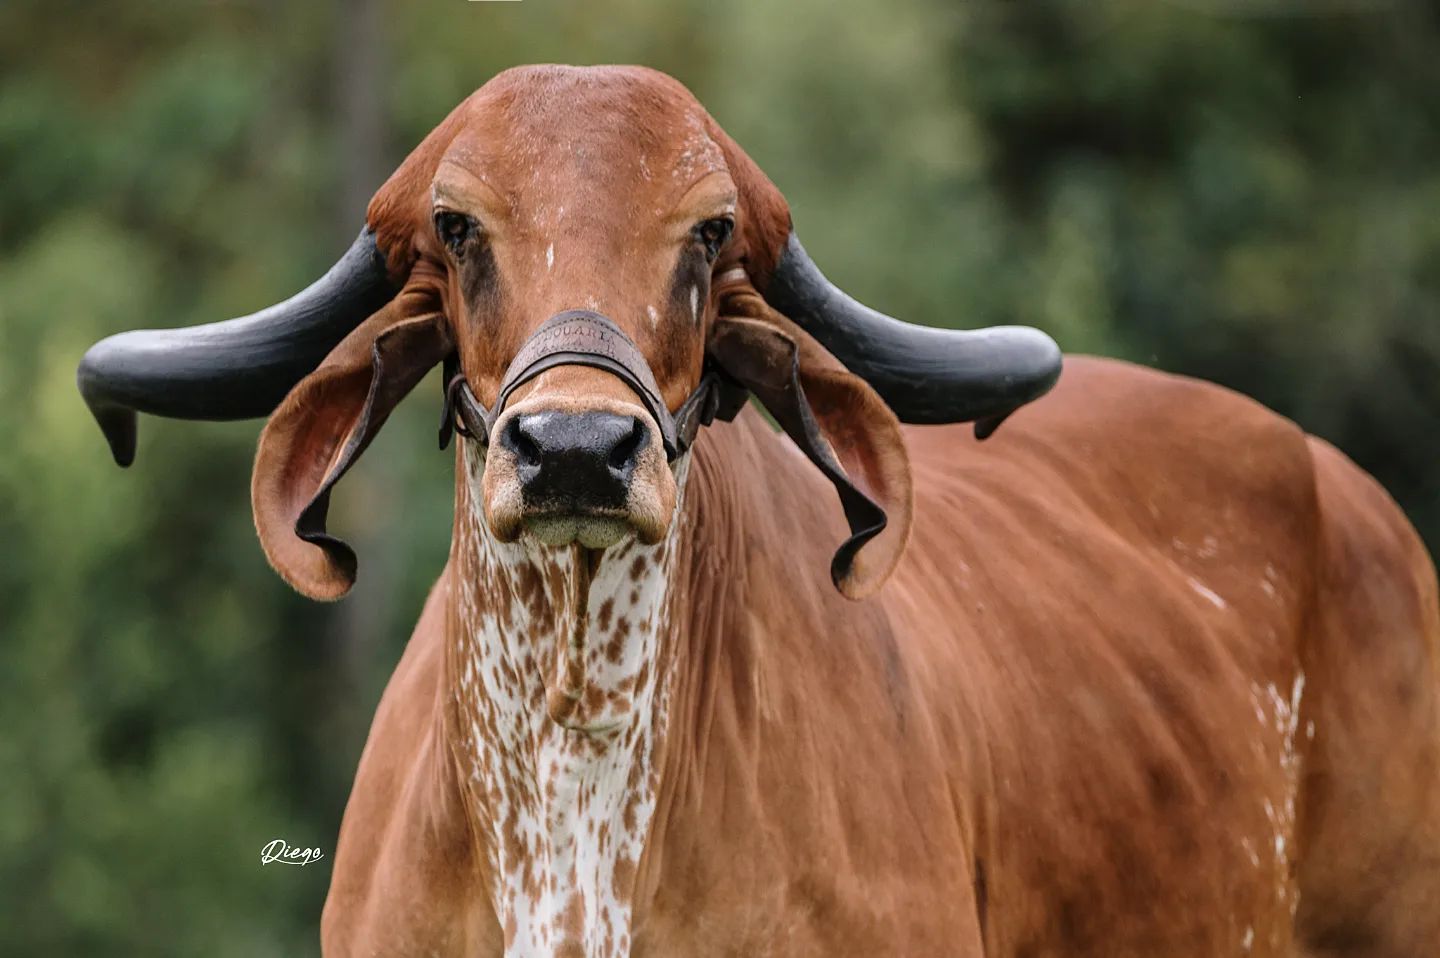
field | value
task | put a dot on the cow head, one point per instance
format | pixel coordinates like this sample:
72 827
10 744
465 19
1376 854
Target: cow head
609 198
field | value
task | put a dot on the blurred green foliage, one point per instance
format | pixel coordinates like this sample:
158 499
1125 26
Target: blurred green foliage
1242 197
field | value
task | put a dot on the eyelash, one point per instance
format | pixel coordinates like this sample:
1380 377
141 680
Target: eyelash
713 234
454 229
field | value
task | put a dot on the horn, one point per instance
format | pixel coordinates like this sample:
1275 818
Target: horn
236 369
926 375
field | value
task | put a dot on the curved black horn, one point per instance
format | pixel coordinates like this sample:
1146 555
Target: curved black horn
237 369
925 375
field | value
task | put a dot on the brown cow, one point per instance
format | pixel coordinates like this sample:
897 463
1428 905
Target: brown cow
1155 676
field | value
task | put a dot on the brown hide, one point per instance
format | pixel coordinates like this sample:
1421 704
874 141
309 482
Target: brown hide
1150 673
1072 723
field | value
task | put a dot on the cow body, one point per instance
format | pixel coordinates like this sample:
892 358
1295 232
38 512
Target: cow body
1157 676
1151 673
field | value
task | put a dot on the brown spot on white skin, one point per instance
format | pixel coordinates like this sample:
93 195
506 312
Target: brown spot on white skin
843 763
560 733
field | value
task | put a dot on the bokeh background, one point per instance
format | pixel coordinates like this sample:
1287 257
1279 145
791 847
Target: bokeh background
1242 190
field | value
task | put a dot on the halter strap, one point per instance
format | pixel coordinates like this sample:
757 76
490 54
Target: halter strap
580 337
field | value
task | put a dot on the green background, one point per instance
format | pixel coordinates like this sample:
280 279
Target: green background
1246 191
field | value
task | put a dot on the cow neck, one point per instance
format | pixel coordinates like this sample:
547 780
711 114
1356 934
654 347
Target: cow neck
560 668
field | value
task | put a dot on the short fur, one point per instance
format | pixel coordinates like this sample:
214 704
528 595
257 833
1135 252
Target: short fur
1156 675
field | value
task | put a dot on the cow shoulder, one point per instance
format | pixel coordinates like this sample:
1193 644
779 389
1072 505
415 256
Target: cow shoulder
1126 570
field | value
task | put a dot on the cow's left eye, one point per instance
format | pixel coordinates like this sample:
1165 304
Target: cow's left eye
713 235
454 229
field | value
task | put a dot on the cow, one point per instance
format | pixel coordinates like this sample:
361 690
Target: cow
1148 671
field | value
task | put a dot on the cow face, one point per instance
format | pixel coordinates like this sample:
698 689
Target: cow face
541 203
551 189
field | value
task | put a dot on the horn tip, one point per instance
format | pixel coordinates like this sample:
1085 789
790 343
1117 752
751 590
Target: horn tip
1039 357
118 426
117 422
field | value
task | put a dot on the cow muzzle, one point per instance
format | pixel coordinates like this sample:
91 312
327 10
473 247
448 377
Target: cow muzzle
576 472
576 460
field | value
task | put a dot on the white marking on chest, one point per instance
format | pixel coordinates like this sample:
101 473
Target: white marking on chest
565 709
1207 594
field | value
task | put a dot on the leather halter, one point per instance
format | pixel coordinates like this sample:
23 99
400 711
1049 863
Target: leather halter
580 337
730 374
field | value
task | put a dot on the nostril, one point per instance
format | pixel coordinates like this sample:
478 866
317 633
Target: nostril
521 443
622 456
571 462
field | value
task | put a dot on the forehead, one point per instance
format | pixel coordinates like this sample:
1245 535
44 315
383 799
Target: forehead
593 135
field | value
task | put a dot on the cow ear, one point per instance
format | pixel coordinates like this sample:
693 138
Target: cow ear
838 421
318 432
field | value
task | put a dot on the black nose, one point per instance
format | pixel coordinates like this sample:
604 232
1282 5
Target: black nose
571 462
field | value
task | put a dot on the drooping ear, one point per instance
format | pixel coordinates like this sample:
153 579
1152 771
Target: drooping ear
838 421
321 428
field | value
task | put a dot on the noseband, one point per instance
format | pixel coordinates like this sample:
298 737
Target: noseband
585 338
580 337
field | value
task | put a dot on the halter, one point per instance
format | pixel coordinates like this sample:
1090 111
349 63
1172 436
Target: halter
580 337
730 374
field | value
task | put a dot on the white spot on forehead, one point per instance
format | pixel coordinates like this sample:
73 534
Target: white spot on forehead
654 315
698 152
550 256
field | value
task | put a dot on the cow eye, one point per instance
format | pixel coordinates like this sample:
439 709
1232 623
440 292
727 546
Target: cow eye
713 235
454 229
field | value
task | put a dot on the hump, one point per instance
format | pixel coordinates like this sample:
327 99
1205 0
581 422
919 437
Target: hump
1094 392
1152 455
